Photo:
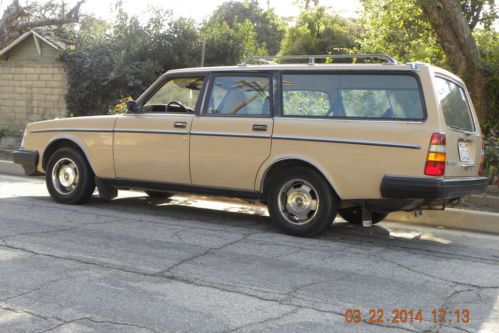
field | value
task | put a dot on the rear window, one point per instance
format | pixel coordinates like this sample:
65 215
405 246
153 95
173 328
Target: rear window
454 105
394 96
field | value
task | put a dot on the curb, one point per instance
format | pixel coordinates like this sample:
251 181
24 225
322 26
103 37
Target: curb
483 200
451 218
6 154
9 168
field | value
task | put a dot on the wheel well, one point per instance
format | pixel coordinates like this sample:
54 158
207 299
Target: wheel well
53 146
276 168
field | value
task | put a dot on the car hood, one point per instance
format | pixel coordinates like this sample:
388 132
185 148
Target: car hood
75 123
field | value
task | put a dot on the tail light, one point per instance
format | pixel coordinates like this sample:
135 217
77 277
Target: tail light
482 157
435 160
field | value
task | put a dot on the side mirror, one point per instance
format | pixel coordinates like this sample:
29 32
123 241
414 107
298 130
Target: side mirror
132 106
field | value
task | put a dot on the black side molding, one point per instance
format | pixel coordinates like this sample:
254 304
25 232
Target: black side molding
183 188
28 159
431 188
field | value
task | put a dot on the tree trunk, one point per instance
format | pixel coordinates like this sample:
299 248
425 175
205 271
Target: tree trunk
463 56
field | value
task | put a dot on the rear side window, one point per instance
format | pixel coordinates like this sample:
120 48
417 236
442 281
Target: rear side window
454 105
373 96
306 102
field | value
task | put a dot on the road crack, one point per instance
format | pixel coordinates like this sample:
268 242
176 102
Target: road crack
204 253
57 230
99 321
42 286
432 276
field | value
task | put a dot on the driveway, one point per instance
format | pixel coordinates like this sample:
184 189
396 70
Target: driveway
193 264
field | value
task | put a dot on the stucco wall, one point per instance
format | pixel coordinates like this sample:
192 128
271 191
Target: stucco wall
31 91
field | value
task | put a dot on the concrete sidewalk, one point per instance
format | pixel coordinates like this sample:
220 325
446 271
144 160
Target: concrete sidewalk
453 218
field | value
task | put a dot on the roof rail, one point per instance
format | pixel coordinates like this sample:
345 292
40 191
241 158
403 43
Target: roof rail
311 58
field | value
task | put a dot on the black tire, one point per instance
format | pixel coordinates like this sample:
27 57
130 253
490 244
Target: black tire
159 195
354 215
291 204
81 190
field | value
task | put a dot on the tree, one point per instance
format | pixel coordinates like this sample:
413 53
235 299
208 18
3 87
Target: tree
439 32
479 12
318 32
226 45
268 27
18 19
108 64
454 33
398 28
306 4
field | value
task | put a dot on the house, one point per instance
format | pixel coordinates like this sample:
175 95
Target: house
33 81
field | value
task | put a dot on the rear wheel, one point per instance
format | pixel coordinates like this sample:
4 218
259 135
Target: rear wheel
354 215
301 202
69 178
159 195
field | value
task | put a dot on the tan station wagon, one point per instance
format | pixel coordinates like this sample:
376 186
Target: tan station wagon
311 140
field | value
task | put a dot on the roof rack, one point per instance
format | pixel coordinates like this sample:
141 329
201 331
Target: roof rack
311 58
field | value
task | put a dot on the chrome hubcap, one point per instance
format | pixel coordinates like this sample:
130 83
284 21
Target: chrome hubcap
65 176
298 201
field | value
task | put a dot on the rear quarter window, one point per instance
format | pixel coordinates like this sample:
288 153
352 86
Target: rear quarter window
454 104
390 96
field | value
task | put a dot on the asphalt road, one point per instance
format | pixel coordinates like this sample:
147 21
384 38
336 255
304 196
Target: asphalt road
197 265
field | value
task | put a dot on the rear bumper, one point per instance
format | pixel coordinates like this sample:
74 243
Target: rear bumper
28 159
431 188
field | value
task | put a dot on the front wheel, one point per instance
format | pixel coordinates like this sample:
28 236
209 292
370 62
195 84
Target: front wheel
354 215
301 202
69 178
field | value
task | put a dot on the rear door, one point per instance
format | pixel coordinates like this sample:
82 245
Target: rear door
463 136
231 138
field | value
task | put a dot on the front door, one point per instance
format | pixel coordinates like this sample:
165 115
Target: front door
153 145
231 138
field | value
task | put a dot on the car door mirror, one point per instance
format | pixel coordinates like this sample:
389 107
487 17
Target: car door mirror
132 106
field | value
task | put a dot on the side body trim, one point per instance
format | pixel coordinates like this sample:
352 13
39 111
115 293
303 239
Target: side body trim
150 131
354 142
240 135
72 130
108 131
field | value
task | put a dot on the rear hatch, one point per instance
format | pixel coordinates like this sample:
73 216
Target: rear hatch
462 134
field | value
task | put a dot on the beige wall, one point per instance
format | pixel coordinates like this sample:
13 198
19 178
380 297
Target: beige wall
31 90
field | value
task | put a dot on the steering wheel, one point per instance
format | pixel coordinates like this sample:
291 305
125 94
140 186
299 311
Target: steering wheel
178 105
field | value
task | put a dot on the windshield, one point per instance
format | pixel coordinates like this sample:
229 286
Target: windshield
454 104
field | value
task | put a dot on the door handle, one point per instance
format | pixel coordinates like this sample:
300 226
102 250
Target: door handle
179 124
259 127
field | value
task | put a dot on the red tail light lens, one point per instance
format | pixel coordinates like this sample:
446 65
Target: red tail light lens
434 168
435 160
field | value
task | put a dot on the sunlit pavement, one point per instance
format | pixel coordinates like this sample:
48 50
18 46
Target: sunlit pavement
194 264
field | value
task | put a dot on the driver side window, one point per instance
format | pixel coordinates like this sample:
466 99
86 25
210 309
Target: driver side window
176 95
